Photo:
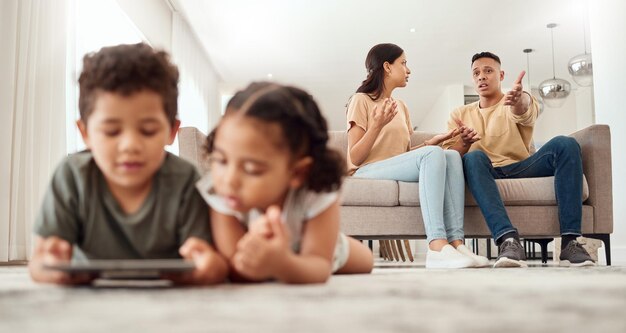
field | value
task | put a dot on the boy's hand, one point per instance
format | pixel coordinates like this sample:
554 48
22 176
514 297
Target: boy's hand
54 250
210 268
259 257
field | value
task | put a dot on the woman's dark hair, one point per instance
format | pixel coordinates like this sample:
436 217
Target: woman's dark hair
374 84
303 127
125 70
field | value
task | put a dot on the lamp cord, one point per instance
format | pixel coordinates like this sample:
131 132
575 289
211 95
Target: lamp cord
552 34
528 71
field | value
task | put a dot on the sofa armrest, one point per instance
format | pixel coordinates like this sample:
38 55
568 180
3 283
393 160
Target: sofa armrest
191 147
595 144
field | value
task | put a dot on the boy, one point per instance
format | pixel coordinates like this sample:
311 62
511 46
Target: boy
125 197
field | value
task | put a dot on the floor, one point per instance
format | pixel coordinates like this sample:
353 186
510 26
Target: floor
396 297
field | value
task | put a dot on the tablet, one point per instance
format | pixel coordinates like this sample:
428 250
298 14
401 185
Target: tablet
125 269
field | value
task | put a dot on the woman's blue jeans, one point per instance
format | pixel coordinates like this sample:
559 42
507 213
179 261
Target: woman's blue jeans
441 186
560 157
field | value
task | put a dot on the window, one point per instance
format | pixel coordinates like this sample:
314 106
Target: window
99 23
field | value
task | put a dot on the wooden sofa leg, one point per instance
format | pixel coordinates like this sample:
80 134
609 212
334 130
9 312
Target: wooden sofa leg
394 251
400 250
382 249
606 239
407 246
388 253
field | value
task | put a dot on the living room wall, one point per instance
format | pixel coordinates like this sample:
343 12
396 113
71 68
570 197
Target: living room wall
608 42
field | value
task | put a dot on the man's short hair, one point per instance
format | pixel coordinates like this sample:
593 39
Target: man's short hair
485 55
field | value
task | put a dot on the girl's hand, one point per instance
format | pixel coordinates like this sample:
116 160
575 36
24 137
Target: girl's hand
389 110
210 266
258 256
439 138
261 227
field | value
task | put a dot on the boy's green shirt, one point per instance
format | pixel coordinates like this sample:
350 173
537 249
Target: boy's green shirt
79 208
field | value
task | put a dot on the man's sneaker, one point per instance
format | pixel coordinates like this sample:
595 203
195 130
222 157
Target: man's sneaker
511 254
479 261
574 254
448 257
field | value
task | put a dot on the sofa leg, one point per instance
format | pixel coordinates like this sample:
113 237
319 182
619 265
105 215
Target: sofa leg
400 250
543 243
382 249
389 250
407 247
606 239
488 248
394 251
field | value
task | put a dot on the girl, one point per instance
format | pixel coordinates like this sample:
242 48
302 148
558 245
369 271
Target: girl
273 187
379 136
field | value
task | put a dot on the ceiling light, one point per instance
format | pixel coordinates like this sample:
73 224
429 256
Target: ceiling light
412 30
269 76
554 91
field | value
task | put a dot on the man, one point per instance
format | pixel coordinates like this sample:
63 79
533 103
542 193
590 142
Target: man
495 140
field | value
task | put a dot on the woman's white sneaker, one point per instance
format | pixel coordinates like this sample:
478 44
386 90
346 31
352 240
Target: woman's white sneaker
479 261
448 257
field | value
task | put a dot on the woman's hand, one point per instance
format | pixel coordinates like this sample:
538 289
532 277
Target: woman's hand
439 138
384 116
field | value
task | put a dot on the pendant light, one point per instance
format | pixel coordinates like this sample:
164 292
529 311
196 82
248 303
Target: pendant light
554 91
530 87
580 66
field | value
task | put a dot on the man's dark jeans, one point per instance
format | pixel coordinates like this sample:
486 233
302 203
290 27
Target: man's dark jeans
560 157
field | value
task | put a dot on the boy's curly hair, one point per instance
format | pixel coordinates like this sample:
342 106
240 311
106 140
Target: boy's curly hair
127 69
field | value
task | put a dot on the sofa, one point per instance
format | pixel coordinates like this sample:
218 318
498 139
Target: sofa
389 210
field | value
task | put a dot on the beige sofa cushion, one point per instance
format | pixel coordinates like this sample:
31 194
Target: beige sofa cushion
369 192
388 193
514 192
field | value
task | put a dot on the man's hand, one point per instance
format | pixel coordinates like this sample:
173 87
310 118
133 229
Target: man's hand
210 268
516 98
468 135
258 256
384 116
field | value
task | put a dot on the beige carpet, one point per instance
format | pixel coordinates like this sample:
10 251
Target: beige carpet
403 298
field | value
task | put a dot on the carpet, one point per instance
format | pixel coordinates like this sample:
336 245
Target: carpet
394 298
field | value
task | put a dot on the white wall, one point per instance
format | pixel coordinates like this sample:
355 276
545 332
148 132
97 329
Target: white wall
436 119
608 45
585 114
153 18
557 121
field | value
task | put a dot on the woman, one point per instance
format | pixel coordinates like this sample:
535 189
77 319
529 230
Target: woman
379 137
